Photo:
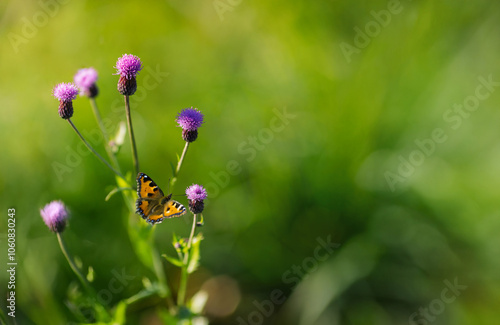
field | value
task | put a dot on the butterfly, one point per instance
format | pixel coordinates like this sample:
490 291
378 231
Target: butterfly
152 205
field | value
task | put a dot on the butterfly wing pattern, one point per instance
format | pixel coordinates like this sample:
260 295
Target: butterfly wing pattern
152 205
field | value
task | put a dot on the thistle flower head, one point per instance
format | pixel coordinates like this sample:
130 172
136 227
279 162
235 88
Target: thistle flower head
128 66
65 92
190 119
196 194
55 215
85 79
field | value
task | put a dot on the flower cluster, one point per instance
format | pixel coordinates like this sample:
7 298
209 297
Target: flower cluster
55 214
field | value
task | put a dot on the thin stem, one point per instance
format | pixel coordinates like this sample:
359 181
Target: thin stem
104 133
184 273
95 152
179 164
192 234
98 307
72 264
131 133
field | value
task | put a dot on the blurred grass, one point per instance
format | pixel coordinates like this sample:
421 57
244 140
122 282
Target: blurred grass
322 175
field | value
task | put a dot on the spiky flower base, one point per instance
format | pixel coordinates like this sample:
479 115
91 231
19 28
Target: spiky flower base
92 91
189 136
127 86
65 109
196 206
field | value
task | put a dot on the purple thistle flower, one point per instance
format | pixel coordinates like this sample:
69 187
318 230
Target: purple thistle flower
55 215
66 93
196 194
190 119
85 79
128 66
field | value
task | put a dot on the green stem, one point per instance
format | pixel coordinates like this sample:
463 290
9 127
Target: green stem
72 264
104 133
191 236
98 307
131 134
179 164
95 152
184 273
182 286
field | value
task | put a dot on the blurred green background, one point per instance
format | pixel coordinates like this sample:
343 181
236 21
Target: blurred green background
337 171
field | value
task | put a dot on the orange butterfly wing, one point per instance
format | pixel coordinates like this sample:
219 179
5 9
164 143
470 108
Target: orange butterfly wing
152 205
147 188
149 195
173 209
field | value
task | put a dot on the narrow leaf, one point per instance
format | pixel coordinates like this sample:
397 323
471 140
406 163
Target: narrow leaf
119 316
90 274
116 190
194 254
173 260
173 167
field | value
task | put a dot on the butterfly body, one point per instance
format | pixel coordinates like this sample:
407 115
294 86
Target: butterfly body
152 205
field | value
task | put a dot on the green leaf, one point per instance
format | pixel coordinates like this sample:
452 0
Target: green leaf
128 196
150 290
90 274
201 222
167 318
116 190
146 283
78 262
194 254
173 260
173 167
141 239
117 141
119 316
